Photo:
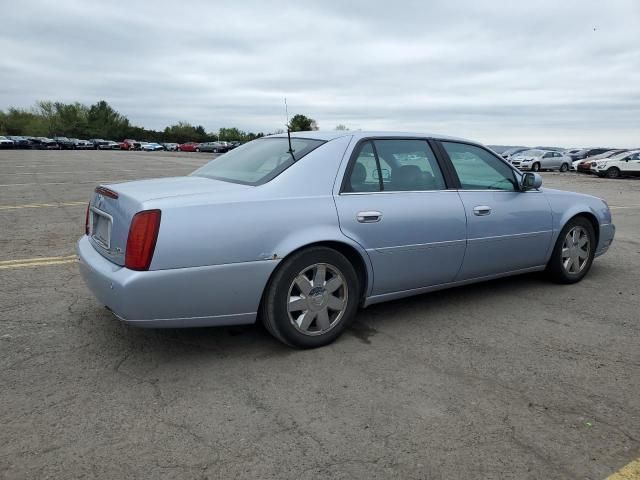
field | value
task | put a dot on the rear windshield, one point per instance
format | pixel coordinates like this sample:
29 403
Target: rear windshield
259 161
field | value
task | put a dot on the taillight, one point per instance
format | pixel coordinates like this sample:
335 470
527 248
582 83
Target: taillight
86 220
141 242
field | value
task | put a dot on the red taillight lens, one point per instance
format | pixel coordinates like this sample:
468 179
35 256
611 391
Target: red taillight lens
86 220
141 242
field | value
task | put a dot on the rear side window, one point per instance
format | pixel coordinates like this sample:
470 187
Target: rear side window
395 166
477 169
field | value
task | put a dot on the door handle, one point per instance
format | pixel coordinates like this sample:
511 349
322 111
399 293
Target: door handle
369 217
481 210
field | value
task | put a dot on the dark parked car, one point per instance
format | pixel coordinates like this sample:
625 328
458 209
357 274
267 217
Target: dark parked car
587 152
214 147
65 143
20 142
98 141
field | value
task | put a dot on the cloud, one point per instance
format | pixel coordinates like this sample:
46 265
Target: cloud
500 72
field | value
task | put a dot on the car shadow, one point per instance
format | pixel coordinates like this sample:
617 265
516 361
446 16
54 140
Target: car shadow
254 340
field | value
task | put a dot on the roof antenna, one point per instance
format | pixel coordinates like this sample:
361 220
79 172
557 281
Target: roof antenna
286 111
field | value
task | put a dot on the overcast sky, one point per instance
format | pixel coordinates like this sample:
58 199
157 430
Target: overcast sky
548 72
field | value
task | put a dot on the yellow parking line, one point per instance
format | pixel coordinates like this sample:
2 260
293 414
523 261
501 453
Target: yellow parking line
37 259
42 205
36 262
628 472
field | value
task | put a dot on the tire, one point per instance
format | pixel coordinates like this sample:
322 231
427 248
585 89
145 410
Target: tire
198 150
562 266
564 167
294 279
613 172
535 167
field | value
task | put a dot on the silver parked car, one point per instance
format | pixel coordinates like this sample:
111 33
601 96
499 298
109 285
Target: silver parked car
301 234
537 160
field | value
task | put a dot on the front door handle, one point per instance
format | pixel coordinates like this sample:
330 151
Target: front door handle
369 217
481 210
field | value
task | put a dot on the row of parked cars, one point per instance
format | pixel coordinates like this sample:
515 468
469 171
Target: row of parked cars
65 143
604 162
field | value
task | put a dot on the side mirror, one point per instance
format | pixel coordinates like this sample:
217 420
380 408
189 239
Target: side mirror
530 181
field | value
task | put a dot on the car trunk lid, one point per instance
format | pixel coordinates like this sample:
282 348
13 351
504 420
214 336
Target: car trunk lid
113 206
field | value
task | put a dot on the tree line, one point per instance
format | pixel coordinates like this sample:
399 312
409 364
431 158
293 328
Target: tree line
100 120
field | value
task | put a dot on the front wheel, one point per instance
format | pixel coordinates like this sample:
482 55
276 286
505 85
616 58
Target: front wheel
574 251
613 172
535 167
311 299
198 150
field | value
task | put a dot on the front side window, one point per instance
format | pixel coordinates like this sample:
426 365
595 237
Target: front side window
259 161
395 166
477 169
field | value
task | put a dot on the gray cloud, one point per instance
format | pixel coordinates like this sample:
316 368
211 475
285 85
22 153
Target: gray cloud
500 72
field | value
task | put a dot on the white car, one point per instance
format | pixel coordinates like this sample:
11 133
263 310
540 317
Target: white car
6 142
623 164
537 159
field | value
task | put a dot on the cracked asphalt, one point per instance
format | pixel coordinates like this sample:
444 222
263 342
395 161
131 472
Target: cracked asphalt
512 379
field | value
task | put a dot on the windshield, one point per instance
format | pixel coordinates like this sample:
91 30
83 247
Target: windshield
257 162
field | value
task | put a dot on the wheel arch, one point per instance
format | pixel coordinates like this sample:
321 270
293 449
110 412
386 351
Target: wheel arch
354 253
589 216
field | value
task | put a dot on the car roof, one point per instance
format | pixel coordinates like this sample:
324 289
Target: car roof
333 134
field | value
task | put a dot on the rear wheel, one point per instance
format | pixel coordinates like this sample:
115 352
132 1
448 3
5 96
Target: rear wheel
311 299
573 253
198 150
613 172
535 167
564 167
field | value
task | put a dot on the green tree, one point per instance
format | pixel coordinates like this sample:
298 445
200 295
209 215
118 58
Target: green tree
340 126
105 122
301 123
185 132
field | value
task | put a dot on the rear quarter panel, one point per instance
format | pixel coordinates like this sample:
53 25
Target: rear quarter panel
266 222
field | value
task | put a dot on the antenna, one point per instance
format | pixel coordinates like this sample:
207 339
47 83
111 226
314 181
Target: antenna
286 112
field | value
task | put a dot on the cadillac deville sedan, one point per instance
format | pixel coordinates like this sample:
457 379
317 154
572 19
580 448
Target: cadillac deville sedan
299 234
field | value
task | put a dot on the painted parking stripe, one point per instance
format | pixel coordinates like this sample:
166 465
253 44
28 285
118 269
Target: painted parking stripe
37 262
628 472
42 205
63 183
615 207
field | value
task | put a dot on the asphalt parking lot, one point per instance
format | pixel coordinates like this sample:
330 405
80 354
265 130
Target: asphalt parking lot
516 378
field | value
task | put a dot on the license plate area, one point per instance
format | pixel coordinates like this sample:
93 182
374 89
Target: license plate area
101 223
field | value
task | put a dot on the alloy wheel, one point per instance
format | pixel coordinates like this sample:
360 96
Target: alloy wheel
576 250
317 299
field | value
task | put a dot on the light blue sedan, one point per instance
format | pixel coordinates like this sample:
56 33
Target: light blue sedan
299 233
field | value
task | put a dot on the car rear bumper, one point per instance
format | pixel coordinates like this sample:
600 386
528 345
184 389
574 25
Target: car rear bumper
607 232
185 297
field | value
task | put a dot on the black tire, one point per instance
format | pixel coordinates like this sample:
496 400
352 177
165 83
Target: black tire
613 172
555 267
564 167
535 167
197 150
274 312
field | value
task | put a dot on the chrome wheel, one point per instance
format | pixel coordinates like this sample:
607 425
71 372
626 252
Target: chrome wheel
576 249
317 299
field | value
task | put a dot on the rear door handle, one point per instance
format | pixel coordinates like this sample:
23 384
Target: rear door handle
369 217
481 210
